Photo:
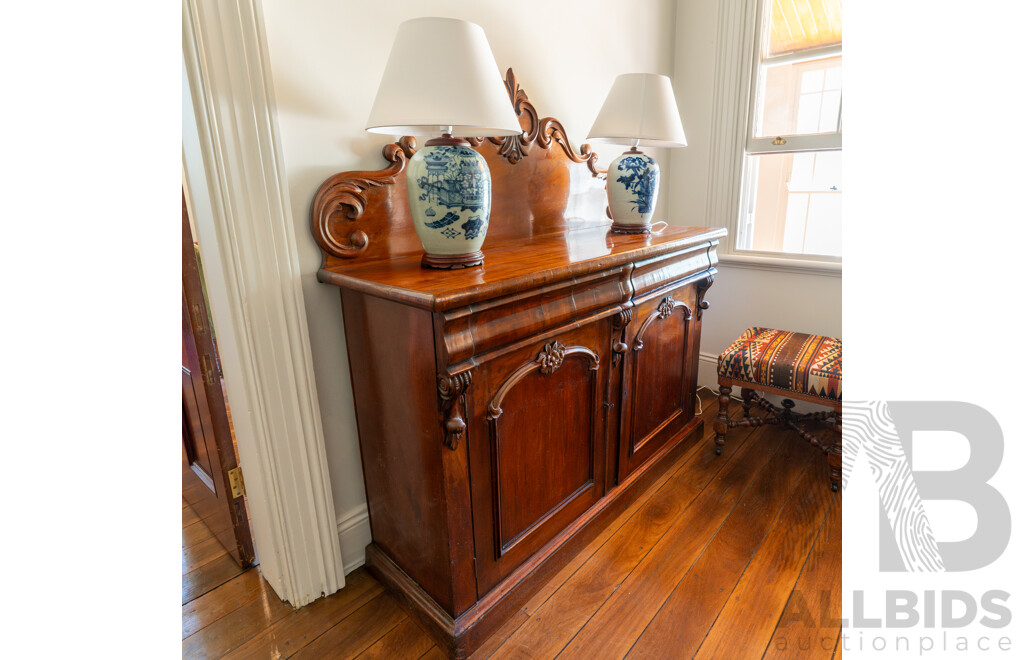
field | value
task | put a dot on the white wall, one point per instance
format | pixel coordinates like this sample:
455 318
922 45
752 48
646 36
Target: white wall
327 58
741 296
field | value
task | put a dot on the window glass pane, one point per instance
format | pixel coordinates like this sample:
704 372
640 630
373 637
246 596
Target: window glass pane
813 81
828 115
823 232
834 77
796 99
793 204
801 24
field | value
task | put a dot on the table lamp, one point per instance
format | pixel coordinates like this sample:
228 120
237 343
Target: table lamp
441 80
640 111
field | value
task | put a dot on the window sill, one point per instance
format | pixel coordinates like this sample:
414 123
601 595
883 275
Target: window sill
783 264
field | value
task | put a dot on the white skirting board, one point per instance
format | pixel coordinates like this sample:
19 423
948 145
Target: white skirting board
354 535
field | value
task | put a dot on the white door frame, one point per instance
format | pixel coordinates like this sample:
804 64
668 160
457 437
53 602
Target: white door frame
239 197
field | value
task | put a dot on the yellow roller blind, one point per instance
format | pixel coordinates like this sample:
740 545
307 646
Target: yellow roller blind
802 24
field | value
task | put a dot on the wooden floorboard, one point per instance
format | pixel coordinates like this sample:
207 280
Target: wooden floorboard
615 627
722 556
406 640
688 613
356 632
291 633
811 623
193 534
748 620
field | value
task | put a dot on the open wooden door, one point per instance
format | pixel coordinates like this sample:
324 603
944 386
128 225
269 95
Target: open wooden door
211 480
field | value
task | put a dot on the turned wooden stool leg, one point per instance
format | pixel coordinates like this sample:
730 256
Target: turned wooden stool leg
787 412
747 394
722 423
835 456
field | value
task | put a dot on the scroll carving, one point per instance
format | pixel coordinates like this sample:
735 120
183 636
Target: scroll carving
702 289
346 193
452 390
548 361
665 309
541 131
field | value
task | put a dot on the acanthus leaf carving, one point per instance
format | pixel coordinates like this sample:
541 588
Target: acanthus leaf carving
541 131
451 388
345 193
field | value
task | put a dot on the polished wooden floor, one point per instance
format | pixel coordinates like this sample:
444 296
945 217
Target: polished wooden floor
737 556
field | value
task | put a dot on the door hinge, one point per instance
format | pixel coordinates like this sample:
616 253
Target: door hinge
237 482
209 375
197 318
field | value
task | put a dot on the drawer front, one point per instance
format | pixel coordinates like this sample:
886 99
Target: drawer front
537 445
659 375
665 270
493 324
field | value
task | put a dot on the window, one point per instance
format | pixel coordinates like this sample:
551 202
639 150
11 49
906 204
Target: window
792 188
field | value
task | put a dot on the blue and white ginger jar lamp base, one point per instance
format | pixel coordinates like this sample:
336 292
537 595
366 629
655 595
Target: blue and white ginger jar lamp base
633 180
449 189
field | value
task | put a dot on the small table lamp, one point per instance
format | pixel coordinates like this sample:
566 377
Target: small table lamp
640 111
441 80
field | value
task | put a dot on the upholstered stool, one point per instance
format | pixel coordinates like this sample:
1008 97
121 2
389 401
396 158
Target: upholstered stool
792 364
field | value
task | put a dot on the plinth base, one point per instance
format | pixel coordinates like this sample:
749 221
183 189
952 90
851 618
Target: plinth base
618 228
449 261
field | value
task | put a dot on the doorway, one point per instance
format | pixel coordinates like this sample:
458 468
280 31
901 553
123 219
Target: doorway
212 482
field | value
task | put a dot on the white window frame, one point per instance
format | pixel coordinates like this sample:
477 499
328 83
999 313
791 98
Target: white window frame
742 26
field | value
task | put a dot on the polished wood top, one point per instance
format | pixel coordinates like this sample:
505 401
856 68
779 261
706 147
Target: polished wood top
511 265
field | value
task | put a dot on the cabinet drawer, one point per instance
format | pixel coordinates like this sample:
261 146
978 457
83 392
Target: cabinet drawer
653 274
489 325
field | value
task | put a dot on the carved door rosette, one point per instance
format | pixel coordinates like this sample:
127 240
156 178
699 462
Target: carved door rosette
451 388
665 309
548 361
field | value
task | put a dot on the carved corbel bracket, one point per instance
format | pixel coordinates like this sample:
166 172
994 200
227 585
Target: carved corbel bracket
619 323
702 289
452 391
346 193
665 309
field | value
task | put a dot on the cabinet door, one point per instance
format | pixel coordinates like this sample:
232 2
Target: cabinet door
660 374
537 445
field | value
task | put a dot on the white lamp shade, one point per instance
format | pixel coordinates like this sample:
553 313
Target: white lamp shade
441 72
641 108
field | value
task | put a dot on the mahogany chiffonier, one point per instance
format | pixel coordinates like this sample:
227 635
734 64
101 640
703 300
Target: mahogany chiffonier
507 412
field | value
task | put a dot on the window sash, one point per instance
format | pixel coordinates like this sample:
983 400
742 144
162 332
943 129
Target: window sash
755 146
794 143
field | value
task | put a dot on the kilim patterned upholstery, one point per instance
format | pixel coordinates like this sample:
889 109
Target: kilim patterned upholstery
794 361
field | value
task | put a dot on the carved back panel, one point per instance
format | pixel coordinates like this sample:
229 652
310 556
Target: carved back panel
539 186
